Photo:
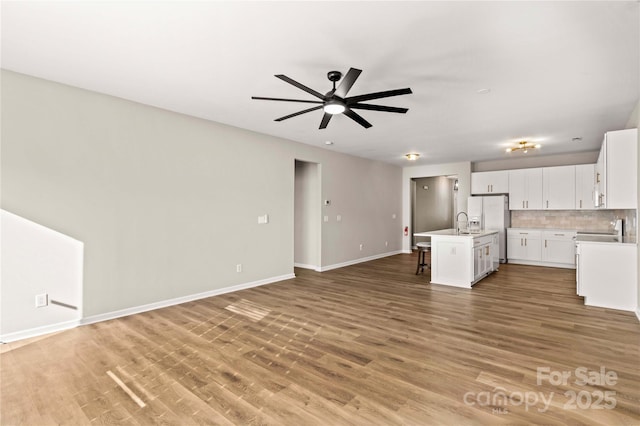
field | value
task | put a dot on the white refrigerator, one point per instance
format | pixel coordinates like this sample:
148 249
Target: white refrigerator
492 211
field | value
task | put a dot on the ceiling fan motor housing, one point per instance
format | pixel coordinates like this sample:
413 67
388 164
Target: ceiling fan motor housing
334 76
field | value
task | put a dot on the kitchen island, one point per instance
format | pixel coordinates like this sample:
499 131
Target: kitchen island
462 259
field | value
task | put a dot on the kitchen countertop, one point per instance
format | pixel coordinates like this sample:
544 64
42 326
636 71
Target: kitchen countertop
608 239
591 237
451 232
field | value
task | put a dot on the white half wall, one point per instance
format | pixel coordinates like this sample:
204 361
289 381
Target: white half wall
462 170
37 260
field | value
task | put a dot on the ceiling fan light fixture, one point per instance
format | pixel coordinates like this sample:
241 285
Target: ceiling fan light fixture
334 107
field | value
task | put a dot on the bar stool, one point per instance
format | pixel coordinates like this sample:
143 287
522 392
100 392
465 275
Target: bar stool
423 248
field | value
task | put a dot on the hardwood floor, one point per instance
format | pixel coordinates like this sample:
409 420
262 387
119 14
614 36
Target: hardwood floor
366 344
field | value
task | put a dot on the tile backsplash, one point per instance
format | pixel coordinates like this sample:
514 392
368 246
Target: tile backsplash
580 220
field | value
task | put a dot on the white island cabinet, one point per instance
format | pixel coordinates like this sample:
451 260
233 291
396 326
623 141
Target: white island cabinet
461 260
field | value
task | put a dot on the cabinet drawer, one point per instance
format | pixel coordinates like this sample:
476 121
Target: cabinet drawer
558 235
488 239
521 233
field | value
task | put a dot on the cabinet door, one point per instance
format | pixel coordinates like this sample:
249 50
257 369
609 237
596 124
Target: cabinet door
599 196
496 182
532 248
559 251
488 258
525 189
478 262
585 181
517 189
515 247
559 187
534 189
620 170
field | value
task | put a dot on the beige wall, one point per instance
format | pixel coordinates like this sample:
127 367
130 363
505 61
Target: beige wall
167 205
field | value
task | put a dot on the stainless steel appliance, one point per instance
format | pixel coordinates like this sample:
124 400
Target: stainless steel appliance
492 213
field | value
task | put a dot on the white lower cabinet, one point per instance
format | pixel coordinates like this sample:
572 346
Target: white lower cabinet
482 256
559 247
523 245
554 248
606 275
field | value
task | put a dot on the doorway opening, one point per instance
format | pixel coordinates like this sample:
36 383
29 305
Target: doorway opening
434 202
307 214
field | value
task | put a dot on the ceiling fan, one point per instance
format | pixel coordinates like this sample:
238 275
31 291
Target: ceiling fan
336 101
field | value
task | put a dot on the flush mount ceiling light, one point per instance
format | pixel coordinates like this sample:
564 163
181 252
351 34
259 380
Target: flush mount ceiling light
412 156
524 146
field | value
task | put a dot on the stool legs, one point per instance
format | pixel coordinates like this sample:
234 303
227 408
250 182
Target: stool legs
422 261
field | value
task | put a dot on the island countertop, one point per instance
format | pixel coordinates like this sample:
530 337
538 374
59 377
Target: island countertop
451 232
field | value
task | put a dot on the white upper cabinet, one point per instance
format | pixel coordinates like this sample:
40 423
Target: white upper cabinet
585 180
490 182
525 189
559 187
617 171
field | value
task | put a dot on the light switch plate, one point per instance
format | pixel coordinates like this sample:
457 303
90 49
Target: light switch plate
42 300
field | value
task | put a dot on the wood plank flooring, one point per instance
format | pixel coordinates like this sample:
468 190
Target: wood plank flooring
362 345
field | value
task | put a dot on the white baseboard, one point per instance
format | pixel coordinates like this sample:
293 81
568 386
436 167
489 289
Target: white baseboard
38 331
178 300
356 261
304 266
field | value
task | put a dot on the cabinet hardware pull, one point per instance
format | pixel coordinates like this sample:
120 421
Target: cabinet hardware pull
525 242
598 177
547 203
488 190
545 243
521 242
523 204
524 233
527 203
580 203
559 235
487 249
491 187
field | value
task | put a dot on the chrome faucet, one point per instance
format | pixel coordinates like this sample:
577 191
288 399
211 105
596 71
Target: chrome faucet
458 221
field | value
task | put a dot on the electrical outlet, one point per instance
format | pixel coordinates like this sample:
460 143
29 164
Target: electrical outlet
339 218
239 267
361 245
42 300
393 216
326 218
386 243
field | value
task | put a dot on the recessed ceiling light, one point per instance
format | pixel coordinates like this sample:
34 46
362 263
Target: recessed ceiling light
328 143
412 156
483 91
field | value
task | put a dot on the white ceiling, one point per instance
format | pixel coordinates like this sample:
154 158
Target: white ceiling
556 70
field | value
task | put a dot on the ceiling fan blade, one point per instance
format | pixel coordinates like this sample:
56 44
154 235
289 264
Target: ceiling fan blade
298 113
325 120
286 100
357 118
347 82
300 86
377 95
379 108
